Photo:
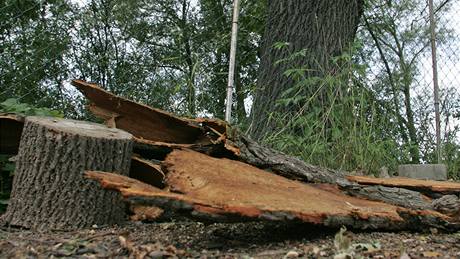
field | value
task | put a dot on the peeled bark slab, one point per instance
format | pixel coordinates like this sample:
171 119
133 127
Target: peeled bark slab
147 172
140 120
219 140
49 190
391 195
226 190
154 127
424 186
10 133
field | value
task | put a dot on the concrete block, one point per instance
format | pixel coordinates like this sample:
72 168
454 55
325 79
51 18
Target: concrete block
429 171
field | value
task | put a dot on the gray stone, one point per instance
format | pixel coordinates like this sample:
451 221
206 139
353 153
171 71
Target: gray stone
383 173
429 171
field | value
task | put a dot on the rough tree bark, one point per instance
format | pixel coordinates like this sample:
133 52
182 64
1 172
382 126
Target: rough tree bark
323 27
49 191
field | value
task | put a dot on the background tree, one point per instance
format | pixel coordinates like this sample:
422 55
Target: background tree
33 42
323 29
396 38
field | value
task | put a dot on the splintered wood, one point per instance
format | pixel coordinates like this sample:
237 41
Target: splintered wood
208 170
154 127
220 189
142 121
425 186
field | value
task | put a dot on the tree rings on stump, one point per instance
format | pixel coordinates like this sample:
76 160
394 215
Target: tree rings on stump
49 190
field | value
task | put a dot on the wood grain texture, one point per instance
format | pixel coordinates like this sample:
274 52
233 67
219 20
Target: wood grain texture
425 186
219 189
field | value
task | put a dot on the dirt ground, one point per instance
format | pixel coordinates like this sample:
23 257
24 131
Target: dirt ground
186 239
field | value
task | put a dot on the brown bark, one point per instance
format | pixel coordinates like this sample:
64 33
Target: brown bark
427 187
49 191
220 189
147 172
324 28
223 141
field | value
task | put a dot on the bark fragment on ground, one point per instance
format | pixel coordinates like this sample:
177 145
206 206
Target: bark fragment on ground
226 190
144 213
49 191
275 161
424 186
396 196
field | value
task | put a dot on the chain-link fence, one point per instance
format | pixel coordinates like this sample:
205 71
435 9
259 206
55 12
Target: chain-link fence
448 59
398 53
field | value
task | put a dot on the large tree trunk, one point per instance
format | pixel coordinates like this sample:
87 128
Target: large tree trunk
49 191
324 28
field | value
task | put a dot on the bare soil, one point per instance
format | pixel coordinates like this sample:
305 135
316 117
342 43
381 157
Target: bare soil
187 239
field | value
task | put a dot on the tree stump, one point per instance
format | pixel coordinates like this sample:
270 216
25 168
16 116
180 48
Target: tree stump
49 190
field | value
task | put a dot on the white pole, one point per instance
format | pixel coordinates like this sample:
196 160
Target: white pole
231 69
435 80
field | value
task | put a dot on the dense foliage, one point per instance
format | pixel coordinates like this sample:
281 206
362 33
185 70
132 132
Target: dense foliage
173 54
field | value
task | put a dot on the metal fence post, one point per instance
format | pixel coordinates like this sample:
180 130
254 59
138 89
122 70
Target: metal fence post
231 70
435 80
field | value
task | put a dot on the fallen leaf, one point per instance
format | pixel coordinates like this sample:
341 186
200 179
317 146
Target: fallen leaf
431 254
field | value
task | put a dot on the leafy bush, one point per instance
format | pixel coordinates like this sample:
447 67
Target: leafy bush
338 122
333 119
14 106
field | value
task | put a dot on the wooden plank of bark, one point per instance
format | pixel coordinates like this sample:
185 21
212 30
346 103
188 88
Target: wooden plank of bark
147 172
230 143
424 186
140 120
290 167
220 189
49 190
